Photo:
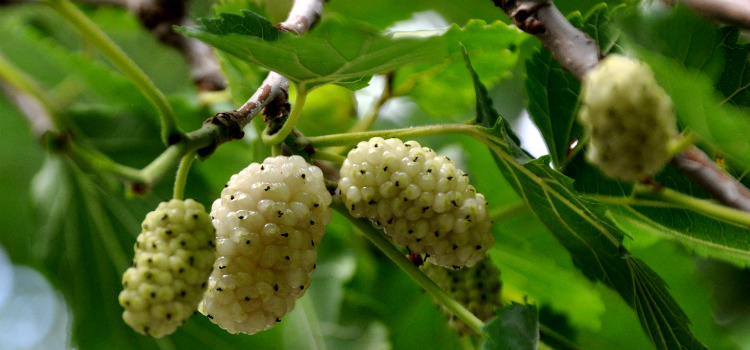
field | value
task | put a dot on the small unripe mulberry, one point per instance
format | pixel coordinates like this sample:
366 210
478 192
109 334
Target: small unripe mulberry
476 288
173 258
269 221
629 117
421 200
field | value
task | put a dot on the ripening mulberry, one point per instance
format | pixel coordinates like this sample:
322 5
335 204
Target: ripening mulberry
476 288
173 258
269 221
421 200
630 119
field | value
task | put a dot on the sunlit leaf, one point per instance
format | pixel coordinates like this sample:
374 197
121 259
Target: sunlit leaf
336 51
494 49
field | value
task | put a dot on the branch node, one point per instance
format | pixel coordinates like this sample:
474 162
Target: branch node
229 122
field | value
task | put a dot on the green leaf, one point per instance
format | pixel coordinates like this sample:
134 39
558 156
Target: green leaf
73 76
549 278
594 242
731 244
383 13
494 49
336 51
688 39
329 109
735 79
553 101
553 92
705 235
516 327
250 23
700 108
688 60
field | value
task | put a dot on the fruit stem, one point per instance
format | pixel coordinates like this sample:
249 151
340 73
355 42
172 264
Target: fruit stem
97 160
182 174
290 122
313 322
332 157
350 139
679 145
701 206
90 32
382 243
17 79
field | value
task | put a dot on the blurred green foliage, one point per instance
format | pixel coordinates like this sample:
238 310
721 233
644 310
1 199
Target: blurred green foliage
78 227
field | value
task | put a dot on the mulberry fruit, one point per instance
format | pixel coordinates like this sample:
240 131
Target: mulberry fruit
629 117
476 288
269 221
421 200
173 258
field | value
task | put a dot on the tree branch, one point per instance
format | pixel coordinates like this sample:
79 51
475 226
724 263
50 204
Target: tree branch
699 168
578 53
159 17
734 12
574 49
275 88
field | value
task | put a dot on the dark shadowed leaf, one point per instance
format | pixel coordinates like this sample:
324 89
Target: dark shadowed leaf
516 327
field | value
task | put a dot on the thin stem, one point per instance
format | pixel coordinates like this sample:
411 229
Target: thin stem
332 157
182 174
97 160
165 161
682 143
382 243
619 200
94 35
290 122
552 334
20 81
701 206
276 150
418 131
313 322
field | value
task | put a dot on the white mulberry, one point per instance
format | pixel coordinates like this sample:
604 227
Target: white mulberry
420 199
630 119
476 288
269 221
173 257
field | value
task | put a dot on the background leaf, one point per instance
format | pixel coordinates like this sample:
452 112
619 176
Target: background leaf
494 49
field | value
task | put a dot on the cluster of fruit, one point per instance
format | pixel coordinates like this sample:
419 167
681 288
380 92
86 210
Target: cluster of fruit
271 217
268 224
